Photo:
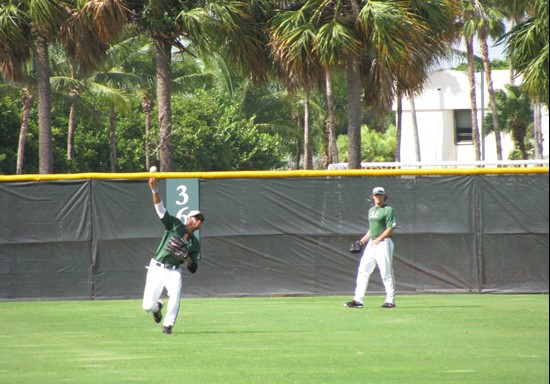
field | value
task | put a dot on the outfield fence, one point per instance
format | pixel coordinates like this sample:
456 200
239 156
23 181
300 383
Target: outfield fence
90 236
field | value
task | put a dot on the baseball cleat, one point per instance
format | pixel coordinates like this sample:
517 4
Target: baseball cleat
353 304
158 314
167 330
388 305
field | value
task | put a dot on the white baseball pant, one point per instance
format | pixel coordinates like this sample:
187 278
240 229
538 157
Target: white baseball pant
159 278
373 255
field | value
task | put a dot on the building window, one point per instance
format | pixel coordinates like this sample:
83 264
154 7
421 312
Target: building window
463 126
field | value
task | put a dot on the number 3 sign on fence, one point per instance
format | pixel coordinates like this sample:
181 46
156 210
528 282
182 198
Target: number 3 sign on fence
182 196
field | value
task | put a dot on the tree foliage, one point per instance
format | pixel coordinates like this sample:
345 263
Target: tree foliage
9 132
527 49
211 133
515 114
376 146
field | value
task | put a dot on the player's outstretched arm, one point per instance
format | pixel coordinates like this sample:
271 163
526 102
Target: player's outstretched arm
161 210
154 188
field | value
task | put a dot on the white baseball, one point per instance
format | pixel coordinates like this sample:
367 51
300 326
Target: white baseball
153 169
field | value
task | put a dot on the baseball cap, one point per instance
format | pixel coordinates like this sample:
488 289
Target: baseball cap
379 191
197 214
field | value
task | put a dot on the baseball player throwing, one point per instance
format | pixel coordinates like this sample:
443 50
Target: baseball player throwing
379 251
178 246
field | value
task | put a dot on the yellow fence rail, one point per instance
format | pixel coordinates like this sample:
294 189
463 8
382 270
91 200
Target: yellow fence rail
282 174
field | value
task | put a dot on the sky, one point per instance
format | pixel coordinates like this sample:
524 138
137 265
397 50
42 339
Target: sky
496 52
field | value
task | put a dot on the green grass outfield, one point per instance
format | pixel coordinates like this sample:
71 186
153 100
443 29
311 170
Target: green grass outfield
427 339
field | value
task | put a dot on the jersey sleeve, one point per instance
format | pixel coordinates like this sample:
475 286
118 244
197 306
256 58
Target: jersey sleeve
195 251
390 218
170 222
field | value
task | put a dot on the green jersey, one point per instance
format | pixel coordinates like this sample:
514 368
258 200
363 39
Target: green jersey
381 218
174 227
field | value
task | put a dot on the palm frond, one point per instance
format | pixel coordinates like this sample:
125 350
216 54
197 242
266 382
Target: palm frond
110 95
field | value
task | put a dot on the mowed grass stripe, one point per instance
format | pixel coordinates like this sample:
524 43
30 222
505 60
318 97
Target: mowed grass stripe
426 339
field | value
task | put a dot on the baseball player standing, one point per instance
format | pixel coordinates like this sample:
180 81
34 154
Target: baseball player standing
178 246
379 251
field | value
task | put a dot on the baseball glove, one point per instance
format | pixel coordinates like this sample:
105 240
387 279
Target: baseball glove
178 247
356 246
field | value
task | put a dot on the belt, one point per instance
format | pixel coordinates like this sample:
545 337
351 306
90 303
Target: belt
166 266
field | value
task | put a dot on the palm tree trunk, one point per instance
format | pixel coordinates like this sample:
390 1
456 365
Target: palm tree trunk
27 101
415 129
45 145
519 133
162 60
297 154
399 126
486 67
71 128
297 157
537 130
147 104
354 112
512 77
308 153
473 104
112 137
331 122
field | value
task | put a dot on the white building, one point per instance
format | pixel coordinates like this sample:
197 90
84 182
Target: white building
444 120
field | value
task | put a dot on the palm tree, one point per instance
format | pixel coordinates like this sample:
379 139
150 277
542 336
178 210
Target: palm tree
473 98
527 49
100 22
135 56
303 37
26 90
241 35
27 28
177 24
65 82
163 54
415 129
372 38
27 99
332 148
330 41
515 115
147 103
434 44
405 60
107 87
110 83
168 23
292 41
399 124
515 11
485 21
113 84
97 21
467 11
